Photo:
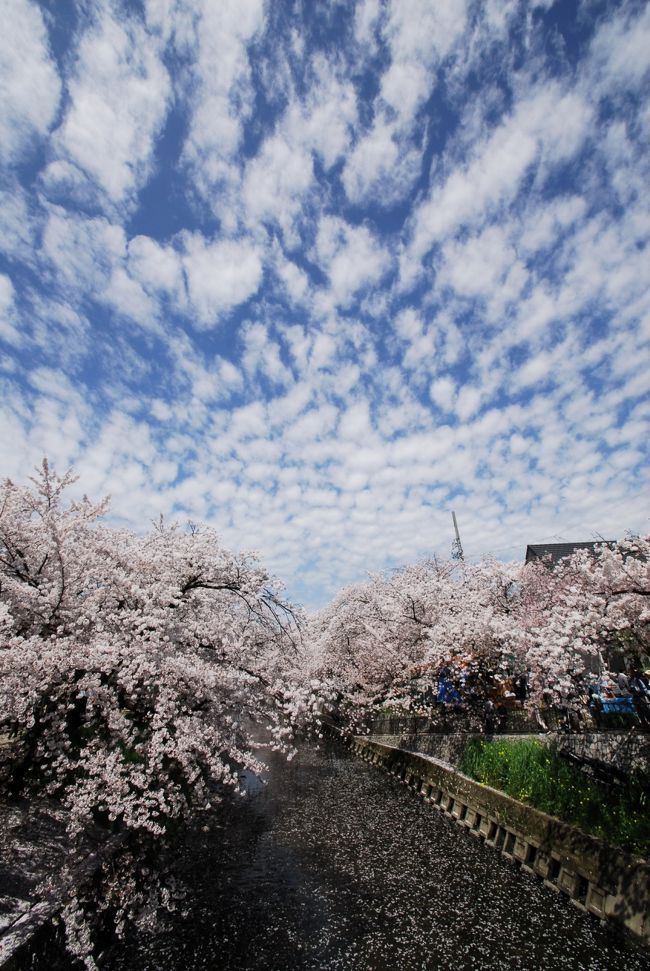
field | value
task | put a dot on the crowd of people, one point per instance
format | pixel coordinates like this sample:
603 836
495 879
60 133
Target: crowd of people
621 694
612 700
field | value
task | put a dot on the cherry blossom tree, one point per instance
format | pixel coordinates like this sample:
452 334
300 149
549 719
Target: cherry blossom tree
373 637
390 638
576 618
139 672
484 625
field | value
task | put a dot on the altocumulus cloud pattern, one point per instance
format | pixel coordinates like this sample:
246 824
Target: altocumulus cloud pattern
318 273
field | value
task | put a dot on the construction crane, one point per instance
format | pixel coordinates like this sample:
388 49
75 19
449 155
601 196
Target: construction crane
456 546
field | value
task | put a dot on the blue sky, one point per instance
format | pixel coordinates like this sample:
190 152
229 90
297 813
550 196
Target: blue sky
319 273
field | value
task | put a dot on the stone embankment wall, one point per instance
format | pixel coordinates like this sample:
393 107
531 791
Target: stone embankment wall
448 720
628 751
598 878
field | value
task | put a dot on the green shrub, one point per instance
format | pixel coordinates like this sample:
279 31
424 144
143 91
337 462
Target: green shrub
538 775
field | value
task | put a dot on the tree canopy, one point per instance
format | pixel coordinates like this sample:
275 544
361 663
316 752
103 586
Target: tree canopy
134 665
391 638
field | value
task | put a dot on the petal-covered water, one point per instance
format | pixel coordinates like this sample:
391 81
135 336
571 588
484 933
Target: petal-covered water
335 865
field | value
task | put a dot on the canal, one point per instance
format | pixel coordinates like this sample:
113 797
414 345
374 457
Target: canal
334 865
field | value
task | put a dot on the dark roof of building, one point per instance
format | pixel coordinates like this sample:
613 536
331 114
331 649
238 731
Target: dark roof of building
552 553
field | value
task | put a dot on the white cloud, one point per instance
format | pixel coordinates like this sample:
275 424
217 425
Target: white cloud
279 178
323 349
386 160
468 402
206 380
156 267
366 17
127 296
443 393
220 92
333 426
546 127
308 428
220 275
84 251
404 86
351 256
544 224
294 279
262 354
326 120
408 324
53 384
355 422
418 34
382 167
118 102
59 330
484 266
290 405
30 86
620 51
93 261
275 182
229 375
18 226
248 421
8 320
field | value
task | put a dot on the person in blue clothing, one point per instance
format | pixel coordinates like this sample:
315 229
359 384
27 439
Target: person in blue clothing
640 693
447 690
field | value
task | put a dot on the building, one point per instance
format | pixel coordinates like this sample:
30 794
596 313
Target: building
551 553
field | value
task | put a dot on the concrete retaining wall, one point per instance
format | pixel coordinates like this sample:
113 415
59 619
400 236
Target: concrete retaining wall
628 751
448 720
448 748
598 878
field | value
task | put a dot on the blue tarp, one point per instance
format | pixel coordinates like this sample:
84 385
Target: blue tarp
446 691
624 705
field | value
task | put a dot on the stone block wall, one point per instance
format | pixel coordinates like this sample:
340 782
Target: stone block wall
628 751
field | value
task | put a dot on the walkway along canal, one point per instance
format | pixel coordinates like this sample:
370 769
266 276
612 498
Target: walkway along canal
333 865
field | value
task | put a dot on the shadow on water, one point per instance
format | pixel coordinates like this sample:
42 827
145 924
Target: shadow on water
333 865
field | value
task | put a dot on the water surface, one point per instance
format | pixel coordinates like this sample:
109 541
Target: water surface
335 865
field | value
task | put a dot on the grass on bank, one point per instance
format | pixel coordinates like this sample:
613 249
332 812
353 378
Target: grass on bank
537 775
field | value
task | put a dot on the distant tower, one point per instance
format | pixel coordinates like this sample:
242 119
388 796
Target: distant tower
456 546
